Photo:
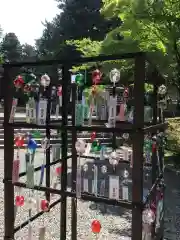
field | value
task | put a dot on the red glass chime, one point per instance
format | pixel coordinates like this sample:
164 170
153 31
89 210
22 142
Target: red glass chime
19 82
19 201
96 76
44 205
96 226
19 141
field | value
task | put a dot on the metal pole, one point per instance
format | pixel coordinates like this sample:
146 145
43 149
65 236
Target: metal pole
74 168
138 141
8 158
64 137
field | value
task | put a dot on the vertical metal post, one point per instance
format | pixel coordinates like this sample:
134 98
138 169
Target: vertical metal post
48 135
138 141
64 137
8 158
74 168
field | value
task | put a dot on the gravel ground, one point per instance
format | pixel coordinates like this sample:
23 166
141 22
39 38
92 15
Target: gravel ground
116 223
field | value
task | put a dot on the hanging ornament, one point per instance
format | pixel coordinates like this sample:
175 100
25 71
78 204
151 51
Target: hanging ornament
32 145
114 159
96 76
114 76
93 136
125 136
44 205
27 89
45 80
19 82
80 146
148 218
79 79
104 169
162 90
19 141
85 167
96 226
19 201
126 93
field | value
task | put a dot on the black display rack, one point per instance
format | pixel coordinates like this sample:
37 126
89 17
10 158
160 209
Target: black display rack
137 130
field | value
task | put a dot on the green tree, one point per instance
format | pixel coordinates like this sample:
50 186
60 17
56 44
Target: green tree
78 19
151 26
11 47
28 53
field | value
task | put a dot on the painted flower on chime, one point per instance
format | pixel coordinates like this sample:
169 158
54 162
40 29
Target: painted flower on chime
93 136
126 93
148 216
114 158
19 141
27 88
59 91
125 136
19 82
96 226
114 75
19 201
44 205
125 174
85 167
80 146
79 79
45 80
162 90
58 171
104 169
96 76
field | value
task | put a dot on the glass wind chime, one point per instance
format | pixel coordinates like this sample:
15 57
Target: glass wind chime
97 147
36 112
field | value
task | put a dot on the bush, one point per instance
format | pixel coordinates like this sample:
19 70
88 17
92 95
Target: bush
173 135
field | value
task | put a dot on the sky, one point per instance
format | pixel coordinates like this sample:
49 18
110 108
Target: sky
25 17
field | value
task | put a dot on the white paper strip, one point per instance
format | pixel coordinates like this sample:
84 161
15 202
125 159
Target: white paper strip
112 111
95 179
102 188
125 193
32 110
13 110
85 185
42 112
88 149
114 187
78 178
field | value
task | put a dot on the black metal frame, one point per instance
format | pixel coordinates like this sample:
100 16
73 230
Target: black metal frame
137 129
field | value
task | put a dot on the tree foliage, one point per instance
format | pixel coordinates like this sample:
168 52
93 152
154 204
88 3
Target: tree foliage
151 26
77 20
